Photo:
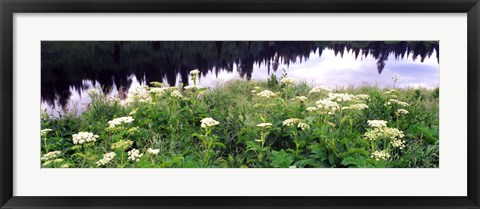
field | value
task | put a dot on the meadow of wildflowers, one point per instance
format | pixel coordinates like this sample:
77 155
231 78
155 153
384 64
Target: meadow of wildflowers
278 123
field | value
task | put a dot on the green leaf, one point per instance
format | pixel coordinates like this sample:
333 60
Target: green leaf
281 159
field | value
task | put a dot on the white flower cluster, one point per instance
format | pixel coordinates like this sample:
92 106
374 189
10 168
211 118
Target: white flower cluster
153 151
363 97
208 122
122 144
266 94
134 155
50 155
377 123
82 137
52 161
380 155
392 91
312 109
191 87
320 89
395 101
140 94
176 94
290 121
384 133
398 143
195 72
303 126
402 111
93 93
158 91
340 97
106 158
287 81
119 121
300 98
329 106
360 106
44 132
264 125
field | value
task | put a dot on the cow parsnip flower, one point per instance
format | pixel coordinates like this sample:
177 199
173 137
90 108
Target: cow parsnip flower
153 151
50 155
397 102
195 72
176 94
327 106
402 112
377 123
362 97
139 94
384 133
107 158
208 122
380 155
312 109
300 98
84 137
359 106
122 144
340 97
320 89
120 121
93 93
303 126
44 132
398 143
264 125
266 94
287 81
291 121
134 155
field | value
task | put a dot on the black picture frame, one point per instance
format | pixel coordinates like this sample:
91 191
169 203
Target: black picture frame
10 7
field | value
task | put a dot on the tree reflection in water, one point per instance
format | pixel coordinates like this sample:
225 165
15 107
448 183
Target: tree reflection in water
66 65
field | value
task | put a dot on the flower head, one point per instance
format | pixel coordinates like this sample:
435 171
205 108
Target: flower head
300 98
320 89
134 155
120 121
380 155
377 123
122 144
303 126
264 125
195 72
208 122
44 132
106 158
266 94
287 81
176 94
402 112
291 121
50 155
340 97
395 101
153 151
82 137
359 106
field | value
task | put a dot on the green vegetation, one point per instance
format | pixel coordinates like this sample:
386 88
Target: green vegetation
276 123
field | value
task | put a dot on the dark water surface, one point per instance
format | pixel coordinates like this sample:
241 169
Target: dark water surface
69 68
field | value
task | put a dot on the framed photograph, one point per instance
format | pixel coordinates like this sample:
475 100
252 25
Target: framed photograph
239 104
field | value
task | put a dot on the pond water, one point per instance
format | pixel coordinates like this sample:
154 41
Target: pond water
69 69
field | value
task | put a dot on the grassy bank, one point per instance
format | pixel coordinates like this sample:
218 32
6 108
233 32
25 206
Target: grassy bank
275 123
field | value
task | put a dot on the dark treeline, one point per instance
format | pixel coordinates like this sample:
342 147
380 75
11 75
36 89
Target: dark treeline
66 64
